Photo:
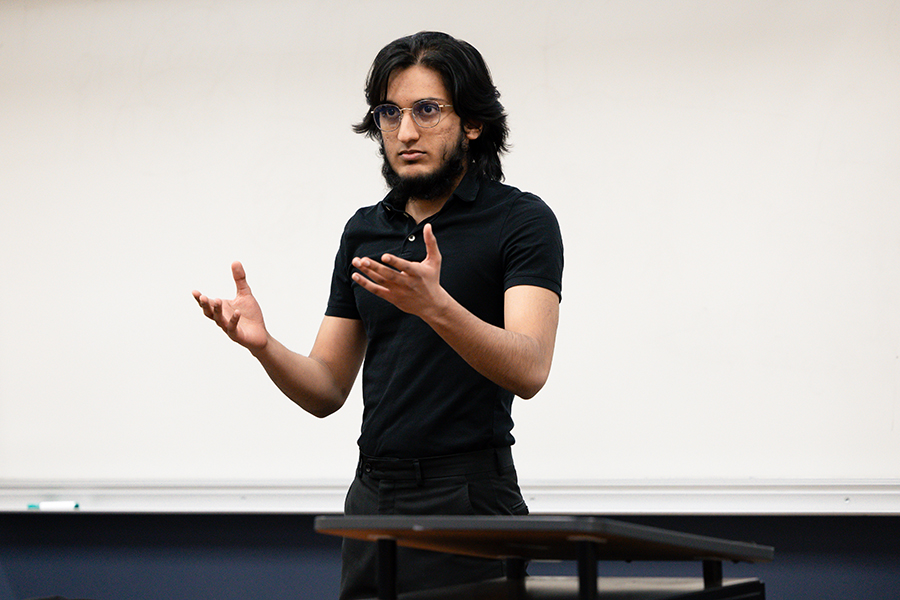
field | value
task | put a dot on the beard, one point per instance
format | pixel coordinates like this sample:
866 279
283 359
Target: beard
432 185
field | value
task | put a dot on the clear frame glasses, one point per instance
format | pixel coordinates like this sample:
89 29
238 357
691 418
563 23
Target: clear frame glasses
426 113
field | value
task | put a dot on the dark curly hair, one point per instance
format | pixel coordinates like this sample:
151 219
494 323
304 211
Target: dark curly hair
468 80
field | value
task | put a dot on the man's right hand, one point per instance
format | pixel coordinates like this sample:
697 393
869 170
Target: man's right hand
240 318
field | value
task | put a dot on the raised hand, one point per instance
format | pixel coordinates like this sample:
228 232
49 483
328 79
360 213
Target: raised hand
240 318
413 287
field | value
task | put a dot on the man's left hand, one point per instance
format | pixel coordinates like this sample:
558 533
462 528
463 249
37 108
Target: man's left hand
413 287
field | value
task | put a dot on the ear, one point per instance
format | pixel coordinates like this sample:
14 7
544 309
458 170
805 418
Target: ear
473 130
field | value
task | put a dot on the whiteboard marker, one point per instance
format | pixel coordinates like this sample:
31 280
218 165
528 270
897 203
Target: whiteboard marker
54 505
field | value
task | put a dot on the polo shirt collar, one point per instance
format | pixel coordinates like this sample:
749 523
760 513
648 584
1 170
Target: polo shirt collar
466 191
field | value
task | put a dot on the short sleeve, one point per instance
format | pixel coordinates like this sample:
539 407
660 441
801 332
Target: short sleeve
532 245
341 301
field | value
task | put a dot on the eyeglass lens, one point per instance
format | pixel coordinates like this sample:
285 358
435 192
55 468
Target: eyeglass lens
425 113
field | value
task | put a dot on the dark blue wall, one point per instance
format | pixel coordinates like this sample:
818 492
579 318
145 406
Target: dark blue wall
225 557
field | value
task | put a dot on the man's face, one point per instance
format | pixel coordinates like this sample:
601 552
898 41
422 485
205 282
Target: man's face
417 153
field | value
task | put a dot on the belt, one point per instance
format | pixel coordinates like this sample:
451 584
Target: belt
469 463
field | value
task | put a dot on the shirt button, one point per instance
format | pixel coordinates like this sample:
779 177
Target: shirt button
367 468
412 237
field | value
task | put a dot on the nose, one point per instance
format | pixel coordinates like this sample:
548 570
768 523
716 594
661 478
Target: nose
408 130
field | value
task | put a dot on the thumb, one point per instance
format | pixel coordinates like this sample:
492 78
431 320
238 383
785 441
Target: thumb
240 278
431 245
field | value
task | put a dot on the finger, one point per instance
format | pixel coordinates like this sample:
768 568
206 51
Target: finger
369 285
218 315
431 245
367 276
232 324
375 270
199 298
218 309
203 301
240 278
398 264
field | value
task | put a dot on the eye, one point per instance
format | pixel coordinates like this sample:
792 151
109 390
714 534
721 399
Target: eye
428 109
388 111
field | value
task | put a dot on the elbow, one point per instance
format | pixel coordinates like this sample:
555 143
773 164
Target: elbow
321 407
532 383
527 393
534 373
321 413
324 398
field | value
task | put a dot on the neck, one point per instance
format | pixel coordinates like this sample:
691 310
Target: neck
420 209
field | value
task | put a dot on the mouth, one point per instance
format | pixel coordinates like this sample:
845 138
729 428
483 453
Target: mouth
411 155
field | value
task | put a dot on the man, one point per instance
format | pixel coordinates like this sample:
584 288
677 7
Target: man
448 289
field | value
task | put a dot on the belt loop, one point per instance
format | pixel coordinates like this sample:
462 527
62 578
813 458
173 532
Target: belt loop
418 468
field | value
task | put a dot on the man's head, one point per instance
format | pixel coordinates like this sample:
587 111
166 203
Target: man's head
471 104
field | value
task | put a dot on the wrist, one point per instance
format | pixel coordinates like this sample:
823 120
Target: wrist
261 351
440 312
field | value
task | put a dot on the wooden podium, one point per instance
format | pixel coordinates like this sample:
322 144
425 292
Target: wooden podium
584 539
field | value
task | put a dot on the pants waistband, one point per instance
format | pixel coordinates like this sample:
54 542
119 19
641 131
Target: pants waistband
417 469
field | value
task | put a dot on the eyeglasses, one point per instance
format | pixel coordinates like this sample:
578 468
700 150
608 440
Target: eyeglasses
426 113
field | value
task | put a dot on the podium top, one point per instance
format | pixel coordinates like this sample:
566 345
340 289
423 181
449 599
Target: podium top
540 537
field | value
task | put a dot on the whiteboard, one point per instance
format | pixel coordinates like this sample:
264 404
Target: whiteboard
725 175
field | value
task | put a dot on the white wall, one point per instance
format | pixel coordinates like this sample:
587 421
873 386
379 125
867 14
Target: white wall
725 174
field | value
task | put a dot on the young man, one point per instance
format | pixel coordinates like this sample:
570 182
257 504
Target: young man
447 291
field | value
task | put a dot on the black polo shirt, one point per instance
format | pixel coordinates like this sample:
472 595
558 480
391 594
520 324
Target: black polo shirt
420 398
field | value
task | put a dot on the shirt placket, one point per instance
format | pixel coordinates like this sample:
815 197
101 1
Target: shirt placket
410 242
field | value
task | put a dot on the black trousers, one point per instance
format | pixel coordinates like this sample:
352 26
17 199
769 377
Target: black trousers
478 483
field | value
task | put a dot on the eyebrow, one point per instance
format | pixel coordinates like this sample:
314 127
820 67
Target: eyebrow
438 100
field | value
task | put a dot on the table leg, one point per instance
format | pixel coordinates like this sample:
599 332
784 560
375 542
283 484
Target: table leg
587 570
712 574
387 569
515 578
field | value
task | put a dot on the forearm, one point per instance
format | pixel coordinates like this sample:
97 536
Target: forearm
516 360
304 380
